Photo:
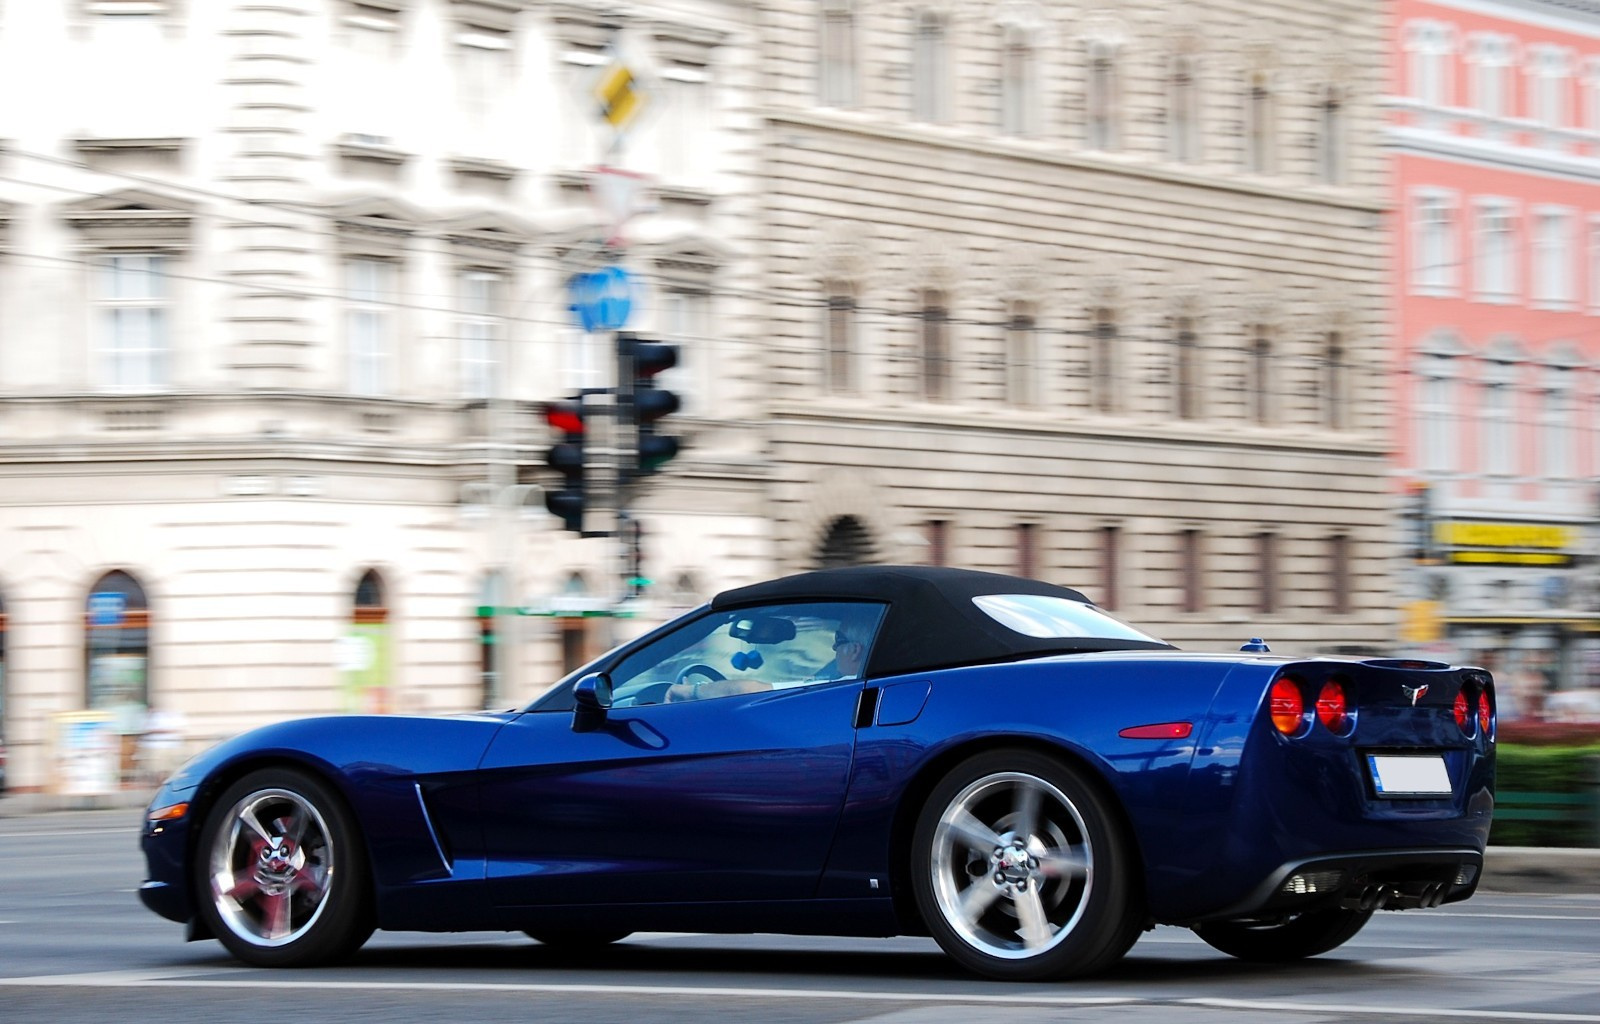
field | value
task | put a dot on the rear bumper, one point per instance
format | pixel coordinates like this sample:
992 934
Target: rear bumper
1375 879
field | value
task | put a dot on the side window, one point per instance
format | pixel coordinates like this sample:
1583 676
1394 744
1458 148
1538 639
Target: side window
749 650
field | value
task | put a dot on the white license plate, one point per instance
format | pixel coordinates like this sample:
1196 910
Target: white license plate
1397 775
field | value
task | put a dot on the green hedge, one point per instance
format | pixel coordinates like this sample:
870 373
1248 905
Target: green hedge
1542 769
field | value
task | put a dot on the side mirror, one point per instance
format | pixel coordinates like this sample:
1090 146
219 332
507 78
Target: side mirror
591 698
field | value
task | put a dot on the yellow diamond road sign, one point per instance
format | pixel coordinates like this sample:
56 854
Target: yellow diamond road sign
620 95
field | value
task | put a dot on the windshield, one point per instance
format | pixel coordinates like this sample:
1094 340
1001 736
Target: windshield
1045 617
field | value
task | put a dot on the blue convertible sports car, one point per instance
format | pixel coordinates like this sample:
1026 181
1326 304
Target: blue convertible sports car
869 751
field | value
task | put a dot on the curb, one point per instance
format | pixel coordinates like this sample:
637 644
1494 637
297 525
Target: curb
1541 869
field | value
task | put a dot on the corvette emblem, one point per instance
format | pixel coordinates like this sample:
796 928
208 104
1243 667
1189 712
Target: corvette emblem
1414 692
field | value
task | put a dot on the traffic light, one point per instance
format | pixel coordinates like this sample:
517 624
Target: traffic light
565 419
643 403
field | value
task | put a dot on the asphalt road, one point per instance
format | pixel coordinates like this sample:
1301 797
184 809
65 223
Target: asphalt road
76 946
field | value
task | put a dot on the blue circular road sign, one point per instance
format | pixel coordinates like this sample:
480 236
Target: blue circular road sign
602 298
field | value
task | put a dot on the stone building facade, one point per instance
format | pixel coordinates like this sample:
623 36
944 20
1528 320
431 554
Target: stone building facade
1092 295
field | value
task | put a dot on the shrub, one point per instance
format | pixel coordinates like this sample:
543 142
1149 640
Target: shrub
1541 768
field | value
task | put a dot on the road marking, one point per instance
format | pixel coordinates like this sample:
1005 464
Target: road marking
132 831
1529 917
188 979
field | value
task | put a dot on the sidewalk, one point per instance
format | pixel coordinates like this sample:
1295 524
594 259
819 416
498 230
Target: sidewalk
1530 869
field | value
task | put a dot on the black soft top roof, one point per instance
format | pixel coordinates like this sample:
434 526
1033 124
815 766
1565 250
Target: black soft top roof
931 622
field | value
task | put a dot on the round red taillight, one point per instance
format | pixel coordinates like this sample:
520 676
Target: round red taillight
1463 710
1288 707
1485 715
1332 709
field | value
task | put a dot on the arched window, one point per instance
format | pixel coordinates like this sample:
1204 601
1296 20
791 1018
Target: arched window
1186 369
839 343
1261 123
364 653
116 623
847 541
935 346
1183 107
574 628
1261 377
930 70
1022 356
491 595
117 661
1335 382
1102 99
1103 360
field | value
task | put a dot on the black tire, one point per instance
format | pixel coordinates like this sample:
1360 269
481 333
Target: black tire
1020 894
280 874
1309 934
577 939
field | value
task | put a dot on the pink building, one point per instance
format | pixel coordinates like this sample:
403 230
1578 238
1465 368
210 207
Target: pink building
1495 131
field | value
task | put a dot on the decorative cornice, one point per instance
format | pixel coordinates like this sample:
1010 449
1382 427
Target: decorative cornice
852 125
124 145
472 167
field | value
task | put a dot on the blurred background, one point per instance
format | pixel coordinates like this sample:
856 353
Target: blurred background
1276 319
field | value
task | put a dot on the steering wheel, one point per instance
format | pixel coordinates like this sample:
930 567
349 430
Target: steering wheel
699 670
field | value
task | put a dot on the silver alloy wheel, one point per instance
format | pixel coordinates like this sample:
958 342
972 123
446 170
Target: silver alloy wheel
1012 866
271 867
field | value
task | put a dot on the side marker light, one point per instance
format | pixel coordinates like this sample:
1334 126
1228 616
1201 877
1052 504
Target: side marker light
1161 731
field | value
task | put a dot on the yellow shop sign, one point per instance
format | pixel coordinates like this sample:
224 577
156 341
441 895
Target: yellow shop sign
1479 543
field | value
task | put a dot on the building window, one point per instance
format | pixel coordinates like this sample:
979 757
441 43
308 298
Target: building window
1594 266
1339 574
1260 124
685 133
1557 448
484 77
1494 245
1591 95
1436 413
481 333
1552 257
1103 361
937 534
1498 427
1103 96
839 341
1266 573
116 626
1027 550
133 304
1549 78
847 541
1019 88
1183 108
1429 47
369 324
1331 131
836 72
1335 382
930 71
1185 370
1262 378
366 685
1433 233
1490 58
1110 566
1022 357
686 322
935 326
1191 579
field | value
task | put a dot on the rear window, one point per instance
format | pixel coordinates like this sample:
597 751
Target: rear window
1044 617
